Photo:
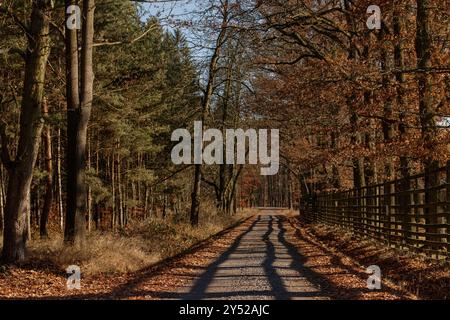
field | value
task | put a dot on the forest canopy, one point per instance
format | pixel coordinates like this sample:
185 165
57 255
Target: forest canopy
87 114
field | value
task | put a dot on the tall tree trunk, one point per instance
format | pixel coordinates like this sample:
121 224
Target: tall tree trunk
89 191
195 196
120 191
78 119
28 204
387 121
231 199
59 177
356 139
2 199
21 169
206 101
399 61
427 108
289 190
359 179
48 198
146 195
113 192
73 102
222 167
426 101
336 180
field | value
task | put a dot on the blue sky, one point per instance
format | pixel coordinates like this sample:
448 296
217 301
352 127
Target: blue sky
177 9
180 10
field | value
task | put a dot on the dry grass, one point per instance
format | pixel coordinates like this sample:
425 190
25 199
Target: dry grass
102 253
141 244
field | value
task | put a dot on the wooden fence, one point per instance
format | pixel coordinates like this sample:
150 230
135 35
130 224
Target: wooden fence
412 213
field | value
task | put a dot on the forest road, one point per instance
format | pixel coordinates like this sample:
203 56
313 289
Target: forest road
260 264
268 256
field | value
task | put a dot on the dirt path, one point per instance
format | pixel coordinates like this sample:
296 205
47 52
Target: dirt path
260 264
263 258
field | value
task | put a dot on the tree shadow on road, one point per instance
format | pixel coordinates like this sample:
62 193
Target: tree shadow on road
278 289
282 268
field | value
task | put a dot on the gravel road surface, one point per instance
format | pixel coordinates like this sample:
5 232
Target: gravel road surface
260 264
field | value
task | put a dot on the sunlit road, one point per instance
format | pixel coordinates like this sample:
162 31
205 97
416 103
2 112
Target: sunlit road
260 264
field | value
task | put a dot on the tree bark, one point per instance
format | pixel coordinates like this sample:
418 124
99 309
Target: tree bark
2 199
113 192
120 190
359 179
426 101
21 169
48 198
89 191
399 61
426 108
79 109
387 122
195 196
58 173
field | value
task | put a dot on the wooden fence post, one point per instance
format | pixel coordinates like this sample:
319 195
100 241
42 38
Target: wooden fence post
387 203
431 181
404 201
378 211
447 207
411 212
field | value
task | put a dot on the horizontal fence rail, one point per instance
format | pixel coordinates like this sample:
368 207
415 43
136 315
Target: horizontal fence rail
411 213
